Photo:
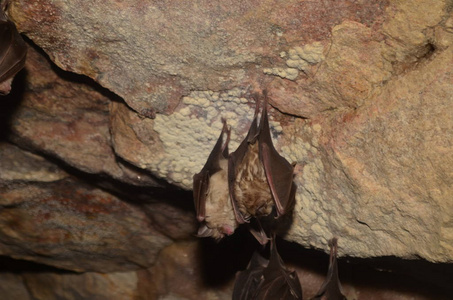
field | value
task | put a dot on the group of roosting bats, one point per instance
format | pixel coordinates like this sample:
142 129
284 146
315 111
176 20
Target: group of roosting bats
253 186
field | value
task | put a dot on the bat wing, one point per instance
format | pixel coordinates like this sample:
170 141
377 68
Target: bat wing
248 281
279 172
13 49
331 288
278 283
236 158
212 166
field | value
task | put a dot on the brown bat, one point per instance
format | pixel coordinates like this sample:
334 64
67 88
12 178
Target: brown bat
331 288
259 178
250 182
248 281
267 280
13 50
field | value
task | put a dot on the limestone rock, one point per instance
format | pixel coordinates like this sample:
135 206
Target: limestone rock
74 226
178 274
66 117
13 287
367 86
53 286
152 53
19 165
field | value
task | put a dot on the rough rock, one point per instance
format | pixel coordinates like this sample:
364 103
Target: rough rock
53 286
74 226
179 274
19 165
64 116
152 53
362 97
12 287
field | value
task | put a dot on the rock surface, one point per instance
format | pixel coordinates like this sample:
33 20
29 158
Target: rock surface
180 273
70 225
362 102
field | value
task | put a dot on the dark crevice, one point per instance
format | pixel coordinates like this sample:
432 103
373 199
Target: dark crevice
17 266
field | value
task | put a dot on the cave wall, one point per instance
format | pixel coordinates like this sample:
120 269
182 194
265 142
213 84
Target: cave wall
120 104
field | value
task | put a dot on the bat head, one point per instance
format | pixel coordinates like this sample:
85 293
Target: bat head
216 232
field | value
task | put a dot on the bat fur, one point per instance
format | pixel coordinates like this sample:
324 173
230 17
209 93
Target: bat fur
252 182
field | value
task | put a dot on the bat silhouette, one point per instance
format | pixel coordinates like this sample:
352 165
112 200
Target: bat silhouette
331 288
248 281
13 50
259 182
267 279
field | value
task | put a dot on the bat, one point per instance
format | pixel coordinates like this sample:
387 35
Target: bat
331 288
210 192
247 281
267 279
260 180
13 50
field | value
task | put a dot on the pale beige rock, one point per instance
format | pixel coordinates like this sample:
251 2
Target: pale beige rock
20 165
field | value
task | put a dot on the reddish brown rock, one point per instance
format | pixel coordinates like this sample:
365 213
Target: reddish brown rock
53 286
67 117
372 81
178 274
153 53
12 287
72 226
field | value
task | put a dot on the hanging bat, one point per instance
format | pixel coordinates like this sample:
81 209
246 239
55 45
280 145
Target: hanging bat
13 51
210 192
331 288
260 180
267 280
248 281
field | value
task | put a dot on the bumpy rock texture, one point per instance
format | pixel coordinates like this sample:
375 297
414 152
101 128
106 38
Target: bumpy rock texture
90 163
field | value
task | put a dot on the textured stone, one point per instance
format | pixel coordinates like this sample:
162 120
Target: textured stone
67 117
381 174
12 287
19 165
368 87
96 286
178 274
152 53
72 226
